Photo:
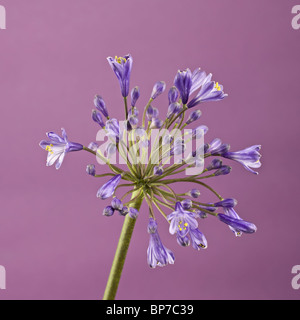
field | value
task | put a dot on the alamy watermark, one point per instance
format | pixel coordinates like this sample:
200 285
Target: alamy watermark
2 278
2 17
296 278
296 18
159 146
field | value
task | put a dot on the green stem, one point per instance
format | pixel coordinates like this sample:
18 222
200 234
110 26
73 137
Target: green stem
121 252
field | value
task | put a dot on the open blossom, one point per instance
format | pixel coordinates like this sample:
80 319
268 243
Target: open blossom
157 253
181 221
249 157
122 68
58 147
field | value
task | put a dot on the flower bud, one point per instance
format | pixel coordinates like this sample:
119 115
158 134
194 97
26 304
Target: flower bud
100 105
133 213
116 204
124 211
158 89
173 95
173 109
156 124
226 203
195 193
195 115
90 169
93 146
186 204
238 224
96 116
158 170
108 211
135 94
223 171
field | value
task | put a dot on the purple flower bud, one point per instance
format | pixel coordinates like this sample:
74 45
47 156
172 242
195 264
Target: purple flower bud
217 148
133 111
215 164
90 169
135 94
156 124
223 171
200 214
116 204
100 105
152 113
186 204
195 193
124 211
93 146
238 224
226 203
133 213
173 95
183 82
113 129
110 150
133 121
194 116
199 131
158 89
96 116
173 109
183 241
108 189
108 211
158 170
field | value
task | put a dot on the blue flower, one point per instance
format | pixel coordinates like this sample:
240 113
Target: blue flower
181 221
116 204
122 68
216 147
249 157
210 91
157 253
58 147
183 82
96 116
133 213
91 170
232 213
108 189
172 95
238 224
108 211
226 203
113 129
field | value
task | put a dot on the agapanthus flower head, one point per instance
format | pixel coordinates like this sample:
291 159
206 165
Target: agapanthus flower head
91 170
96 116
238 224
58 147
173 95
135 94
108 189
210 91
249 157
122 68
183 82
158 89
100 105
226 203
181 221
157 253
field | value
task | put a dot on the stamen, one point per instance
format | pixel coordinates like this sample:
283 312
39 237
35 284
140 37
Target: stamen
217 86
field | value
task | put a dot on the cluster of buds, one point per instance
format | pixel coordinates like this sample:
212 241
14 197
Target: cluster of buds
149 175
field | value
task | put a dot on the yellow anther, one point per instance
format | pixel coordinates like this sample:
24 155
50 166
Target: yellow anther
48 148
186 224
120 59
217 86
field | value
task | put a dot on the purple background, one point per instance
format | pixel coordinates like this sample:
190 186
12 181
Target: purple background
54 241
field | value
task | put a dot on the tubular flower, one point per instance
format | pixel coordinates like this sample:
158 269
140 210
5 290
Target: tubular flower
122 68
58 147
